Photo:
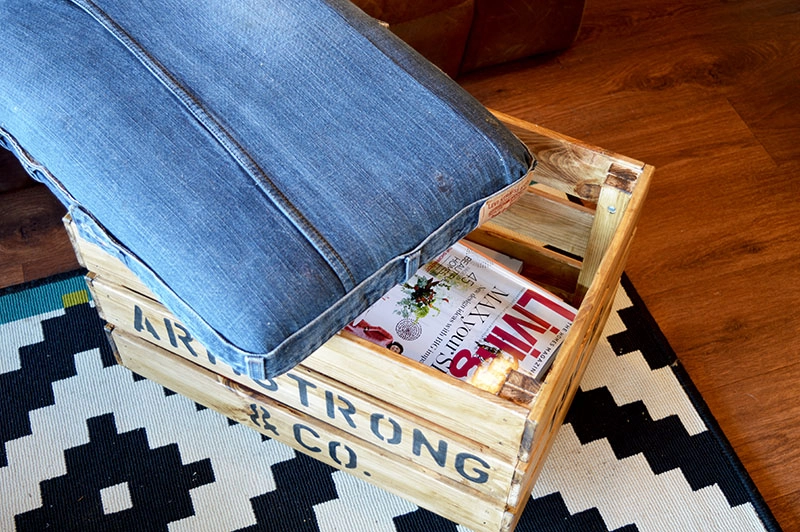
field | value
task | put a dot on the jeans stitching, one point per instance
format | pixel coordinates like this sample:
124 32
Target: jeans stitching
34 168
227 140
427 86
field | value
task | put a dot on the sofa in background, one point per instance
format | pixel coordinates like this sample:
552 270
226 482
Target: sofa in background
464 35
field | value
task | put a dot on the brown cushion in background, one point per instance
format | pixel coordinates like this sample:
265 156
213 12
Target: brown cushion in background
438 29
441 36
463 35
513 29
397 11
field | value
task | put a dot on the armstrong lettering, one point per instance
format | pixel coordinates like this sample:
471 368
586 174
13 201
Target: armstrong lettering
300 392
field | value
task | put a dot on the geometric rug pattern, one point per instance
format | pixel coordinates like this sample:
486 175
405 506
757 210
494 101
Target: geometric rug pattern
87 445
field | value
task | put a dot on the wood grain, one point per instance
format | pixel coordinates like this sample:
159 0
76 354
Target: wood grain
707 93
360 458
33 243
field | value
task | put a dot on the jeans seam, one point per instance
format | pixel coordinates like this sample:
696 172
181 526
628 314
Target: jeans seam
427 87
34 168
226 140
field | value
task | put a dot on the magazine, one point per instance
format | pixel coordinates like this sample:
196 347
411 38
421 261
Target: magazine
462 310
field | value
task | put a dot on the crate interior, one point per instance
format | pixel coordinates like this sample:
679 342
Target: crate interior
549 232
563 228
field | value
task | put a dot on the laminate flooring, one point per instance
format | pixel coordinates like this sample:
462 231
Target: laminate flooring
709 93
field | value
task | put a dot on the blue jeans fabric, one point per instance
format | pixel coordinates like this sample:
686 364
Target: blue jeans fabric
268 168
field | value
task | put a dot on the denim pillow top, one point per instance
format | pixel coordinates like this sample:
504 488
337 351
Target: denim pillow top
269 169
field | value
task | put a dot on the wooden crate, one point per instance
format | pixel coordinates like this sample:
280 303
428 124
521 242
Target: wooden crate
456 450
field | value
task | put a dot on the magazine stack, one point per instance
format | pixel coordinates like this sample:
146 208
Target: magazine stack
466 314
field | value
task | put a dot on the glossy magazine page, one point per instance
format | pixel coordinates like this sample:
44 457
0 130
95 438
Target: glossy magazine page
464 308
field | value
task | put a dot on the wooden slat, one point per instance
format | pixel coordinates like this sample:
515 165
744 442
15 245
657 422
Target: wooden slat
551 220
94 259
610 207
553 271
486 418
360 368
308 435
366 417
613 211
567 164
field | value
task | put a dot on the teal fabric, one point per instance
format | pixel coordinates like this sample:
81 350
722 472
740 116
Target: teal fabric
17 305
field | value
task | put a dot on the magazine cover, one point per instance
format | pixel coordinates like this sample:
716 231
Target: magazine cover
462 309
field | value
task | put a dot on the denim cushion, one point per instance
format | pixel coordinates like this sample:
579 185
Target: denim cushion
269 169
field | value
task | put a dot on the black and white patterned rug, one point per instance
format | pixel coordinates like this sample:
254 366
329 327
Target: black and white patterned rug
87 445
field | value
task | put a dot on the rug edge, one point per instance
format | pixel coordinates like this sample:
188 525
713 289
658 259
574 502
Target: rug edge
16 288
693 393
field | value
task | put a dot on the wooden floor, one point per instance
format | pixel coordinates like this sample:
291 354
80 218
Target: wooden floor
709 93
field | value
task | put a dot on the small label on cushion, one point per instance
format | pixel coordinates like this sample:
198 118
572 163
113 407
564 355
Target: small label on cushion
413 263
503 199
255 367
